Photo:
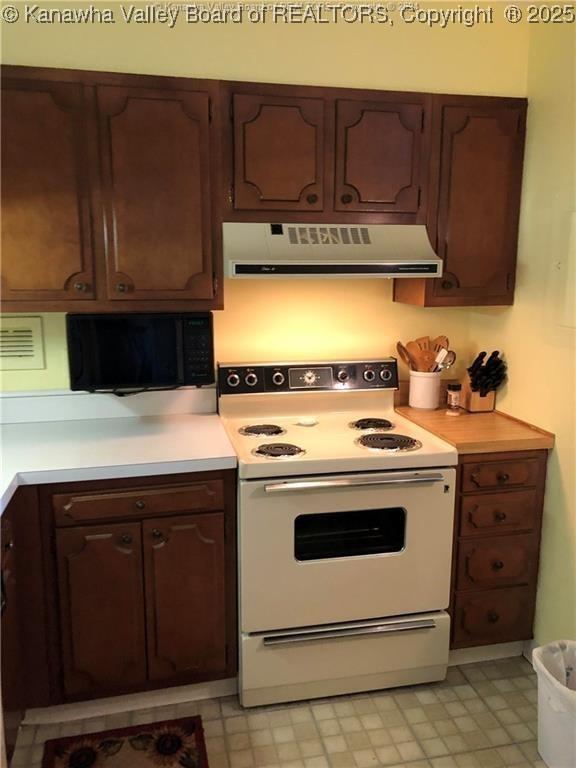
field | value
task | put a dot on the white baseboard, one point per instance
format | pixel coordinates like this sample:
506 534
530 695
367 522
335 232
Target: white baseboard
485 653
133 701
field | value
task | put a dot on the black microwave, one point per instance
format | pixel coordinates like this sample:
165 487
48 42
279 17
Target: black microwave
110 352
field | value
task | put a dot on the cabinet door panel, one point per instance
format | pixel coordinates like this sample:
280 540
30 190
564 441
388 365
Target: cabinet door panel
155 168
46 227
378 156
185 595
500 561
278 153
493 616
479 197
102 607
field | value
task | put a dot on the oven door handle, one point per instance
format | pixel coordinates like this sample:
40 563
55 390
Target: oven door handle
357 631
345 482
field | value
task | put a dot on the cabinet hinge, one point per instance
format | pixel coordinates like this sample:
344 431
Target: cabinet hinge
209 110
419 196
423 121
215 283
231 195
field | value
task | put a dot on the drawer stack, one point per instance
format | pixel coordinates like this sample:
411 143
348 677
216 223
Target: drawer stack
497 542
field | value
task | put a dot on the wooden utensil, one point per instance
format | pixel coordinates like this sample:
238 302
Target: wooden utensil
427 360
440 342
415 353
406 356
423 342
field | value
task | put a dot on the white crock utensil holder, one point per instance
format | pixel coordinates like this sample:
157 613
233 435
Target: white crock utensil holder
424 389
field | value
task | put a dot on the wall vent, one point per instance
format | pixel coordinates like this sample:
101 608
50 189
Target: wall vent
328 236
21 344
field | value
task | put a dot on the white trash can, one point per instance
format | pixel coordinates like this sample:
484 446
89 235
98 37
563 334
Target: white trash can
555 665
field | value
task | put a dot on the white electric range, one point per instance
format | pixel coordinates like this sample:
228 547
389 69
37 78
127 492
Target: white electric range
345 531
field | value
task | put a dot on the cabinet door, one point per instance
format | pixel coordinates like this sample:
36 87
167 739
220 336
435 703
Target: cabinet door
480 172
379 157
12 696
46 228
185 595
155 162
101 607
278 153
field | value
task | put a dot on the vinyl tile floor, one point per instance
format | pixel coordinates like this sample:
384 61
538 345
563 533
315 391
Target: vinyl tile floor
482 716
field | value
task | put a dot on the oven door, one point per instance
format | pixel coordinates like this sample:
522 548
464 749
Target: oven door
319 550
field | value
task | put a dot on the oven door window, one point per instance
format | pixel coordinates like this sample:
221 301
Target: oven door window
349 534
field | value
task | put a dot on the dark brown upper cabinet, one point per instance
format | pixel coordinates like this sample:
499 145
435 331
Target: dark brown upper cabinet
155 165
107 192
46 226
476 172
278 153
380 156
311 154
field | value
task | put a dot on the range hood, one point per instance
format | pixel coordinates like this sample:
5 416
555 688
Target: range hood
328 250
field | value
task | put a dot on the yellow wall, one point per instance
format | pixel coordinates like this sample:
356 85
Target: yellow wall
538 333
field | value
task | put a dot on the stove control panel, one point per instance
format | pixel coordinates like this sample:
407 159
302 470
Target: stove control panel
306 377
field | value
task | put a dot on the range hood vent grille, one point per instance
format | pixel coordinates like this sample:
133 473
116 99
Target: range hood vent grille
300 235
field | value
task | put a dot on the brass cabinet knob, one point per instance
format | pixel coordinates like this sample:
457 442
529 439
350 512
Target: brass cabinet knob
140 504
499 517
82 287
502 477
121 287
126 538
157 534
497 565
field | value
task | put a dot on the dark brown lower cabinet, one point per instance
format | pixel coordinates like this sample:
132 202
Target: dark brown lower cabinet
496 547
184 566
144 583
100 583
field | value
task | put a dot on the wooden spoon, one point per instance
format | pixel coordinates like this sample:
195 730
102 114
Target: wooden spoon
406 356
428 360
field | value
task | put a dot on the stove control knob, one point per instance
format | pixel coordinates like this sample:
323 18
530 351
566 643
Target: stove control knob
369 375
251 380
233 380
385 374
342 376
278 378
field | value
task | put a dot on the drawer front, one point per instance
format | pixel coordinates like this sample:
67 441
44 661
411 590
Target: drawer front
498 513
493 616
499 474
497 562
73 509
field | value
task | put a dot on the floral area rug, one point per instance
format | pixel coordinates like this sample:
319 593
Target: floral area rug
169 744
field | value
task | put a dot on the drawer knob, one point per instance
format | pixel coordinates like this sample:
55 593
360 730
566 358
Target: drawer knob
126 539
499 517
311 199
81 287
157 534
502 477
140 504
497 565
347 198
121 287
493 617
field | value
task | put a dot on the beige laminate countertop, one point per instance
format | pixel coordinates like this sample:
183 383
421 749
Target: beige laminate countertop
480 432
